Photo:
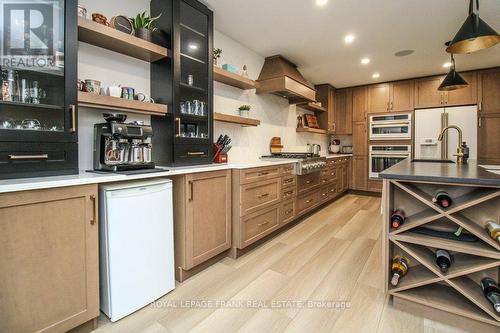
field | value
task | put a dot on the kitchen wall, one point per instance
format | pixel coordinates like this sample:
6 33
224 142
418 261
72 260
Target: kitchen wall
277 117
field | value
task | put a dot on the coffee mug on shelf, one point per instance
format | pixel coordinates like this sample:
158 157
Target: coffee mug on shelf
128 93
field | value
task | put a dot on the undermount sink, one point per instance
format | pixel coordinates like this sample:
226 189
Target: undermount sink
432 160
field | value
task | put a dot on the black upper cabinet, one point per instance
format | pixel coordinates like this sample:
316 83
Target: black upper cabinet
185 82
38 96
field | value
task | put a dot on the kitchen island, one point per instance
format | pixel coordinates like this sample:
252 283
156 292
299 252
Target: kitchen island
455 295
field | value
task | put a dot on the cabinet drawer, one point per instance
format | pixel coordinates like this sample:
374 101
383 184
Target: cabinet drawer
288 169
332 191
307 182
29 159
290 180
259 195
289 192
192 154
324 194
258 174
307 202
328 175
287 211
259 224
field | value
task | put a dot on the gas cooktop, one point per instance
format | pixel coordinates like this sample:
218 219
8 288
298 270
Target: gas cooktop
291 155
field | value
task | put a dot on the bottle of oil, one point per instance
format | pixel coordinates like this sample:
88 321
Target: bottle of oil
399 268
493 229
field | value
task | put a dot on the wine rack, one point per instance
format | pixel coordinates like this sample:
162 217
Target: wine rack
454 297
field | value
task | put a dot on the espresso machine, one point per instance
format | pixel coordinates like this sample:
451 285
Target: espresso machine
120 146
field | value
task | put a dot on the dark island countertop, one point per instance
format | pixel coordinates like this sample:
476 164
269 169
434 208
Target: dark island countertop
470 173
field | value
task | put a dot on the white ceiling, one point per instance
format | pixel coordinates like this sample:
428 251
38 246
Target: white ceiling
313 36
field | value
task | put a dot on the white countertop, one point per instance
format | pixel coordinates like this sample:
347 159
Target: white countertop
85 178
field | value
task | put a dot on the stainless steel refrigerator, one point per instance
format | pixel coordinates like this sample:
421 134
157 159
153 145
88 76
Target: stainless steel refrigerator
430 122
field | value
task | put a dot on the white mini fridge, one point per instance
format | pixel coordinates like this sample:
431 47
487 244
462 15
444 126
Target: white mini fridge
136 245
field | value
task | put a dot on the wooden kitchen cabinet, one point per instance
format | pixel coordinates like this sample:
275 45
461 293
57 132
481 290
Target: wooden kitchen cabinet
338 102
489 138
359 104
359 173
390 97
360 138
378 98
342 114
489 91
202 218
426 92
464 96
49 262
401 96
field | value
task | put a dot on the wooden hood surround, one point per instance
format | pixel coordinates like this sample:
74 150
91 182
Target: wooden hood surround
279 76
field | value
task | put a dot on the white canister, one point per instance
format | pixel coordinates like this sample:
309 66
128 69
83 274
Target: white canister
115 91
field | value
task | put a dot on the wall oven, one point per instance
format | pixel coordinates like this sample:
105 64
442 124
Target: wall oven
390 127
384 156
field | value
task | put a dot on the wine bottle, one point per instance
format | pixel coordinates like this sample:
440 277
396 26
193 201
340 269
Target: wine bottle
399 269
442 198
443 260
398 218
492 292
493 229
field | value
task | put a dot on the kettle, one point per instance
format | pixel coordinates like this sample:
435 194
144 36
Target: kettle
335 146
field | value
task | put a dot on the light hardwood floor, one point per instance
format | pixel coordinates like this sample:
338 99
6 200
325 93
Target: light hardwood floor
333 255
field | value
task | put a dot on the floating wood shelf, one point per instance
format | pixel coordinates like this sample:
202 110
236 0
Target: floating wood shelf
102 36
120 104
312 107
311 130
458 290
231 79
227 118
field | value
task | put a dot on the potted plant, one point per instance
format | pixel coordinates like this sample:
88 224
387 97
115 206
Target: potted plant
245 110
217 54
143 25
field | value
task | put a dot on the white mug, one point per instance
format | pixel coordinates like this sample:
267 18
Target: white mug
115 91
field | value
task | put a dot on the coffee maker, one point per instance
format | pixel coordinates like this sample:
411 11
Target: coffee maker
121 147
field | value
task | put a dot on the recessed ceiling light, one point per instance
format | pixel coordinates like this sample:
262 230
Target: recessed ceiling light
365 61
403 53
447 64
321 2
349 39
376 75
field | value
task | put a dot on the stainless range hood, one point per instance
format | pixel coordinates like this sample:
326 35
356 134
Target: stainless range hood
279 76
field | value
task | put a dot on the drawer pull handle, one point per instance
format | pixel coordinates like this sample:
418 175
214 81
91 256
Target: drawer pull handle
289 192
263 173
263 195
29 157
94 210
289 212
308 182
310 200
288 181
263 224
195 153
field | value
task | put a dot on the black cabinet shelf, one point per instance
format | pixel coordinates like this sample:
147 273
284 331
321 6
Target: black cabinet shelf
189 29
31 105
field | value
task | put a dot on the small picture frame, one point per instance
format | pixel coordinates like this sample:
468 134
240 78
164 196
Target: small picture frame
311 121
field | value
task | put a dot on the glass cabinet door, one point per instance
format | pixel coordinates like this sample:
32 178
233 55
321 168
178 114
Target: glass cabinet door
193 116
33 71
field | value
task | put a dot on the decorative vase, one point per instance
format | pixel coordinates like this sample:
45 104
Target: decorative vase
144 33
215 62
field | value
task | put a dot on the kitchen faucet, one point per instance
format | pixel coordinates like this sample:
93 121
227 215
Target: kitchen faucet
462 149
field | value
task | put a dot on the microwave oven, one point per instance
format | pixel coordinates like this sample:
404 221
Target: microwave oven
391 127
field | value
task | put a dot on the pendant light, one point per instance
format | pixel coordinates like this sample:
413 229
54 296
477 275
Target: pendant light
453 80
474 35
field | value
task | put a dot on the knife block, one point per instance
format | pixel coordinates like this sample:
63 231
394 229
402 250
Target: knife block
219 157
